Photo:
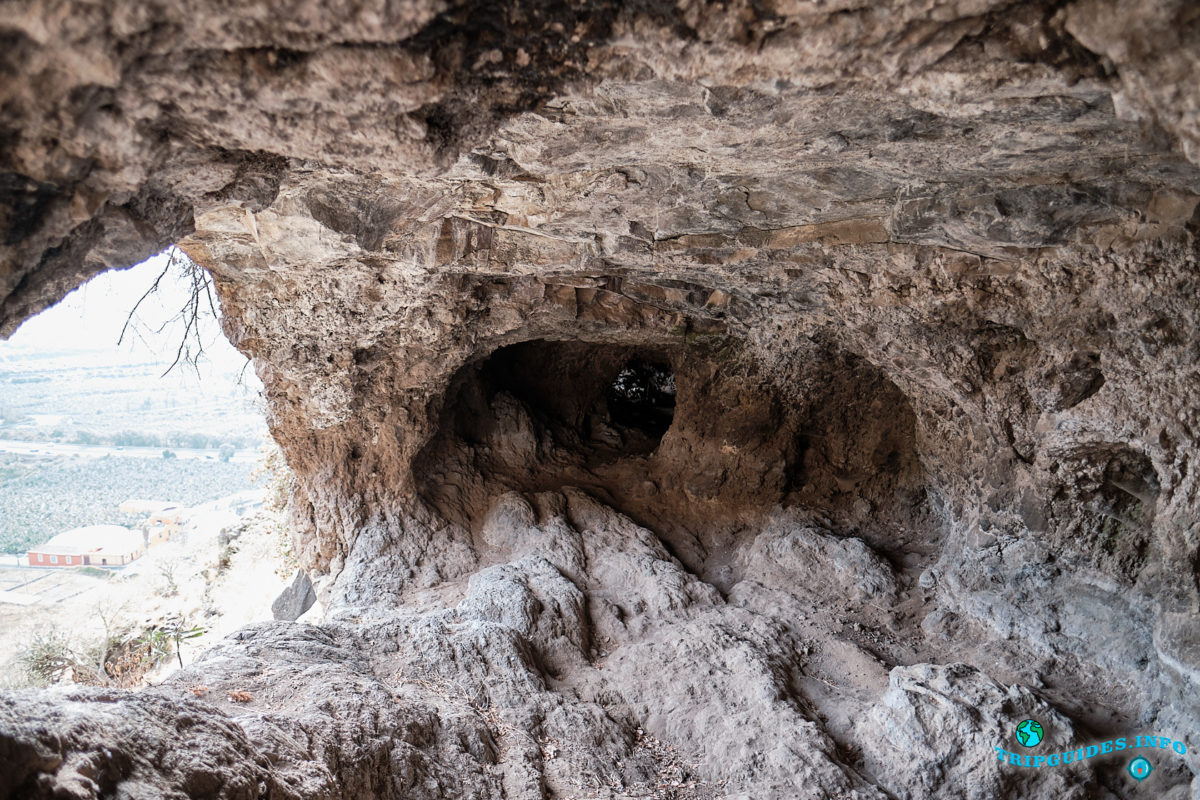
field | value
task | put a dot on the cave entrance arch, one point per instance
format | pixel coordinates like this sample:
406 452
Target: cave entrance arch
690 441
95 444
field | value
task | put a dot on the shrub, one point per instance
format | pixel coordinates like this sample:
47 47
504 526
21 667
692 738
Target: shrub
47 658
167 570
121 658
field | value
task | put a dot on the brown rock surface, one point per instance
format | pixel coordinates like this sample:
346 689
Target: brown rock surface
683 397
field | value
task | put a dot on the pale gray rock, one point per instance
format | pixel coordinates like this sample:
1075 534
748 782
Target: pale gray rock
803 558
90 743
297 598
937 727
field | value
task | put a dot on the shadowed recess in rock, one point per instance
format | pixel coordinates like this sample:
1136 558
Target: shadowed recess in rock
691 440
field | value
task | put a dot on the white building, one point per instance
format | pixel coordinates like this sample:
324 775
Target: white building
93 545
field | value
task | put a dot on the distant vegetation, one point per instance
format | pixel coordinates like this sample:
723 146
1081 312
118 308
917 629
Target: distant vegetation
43 496
84 394
179 439
99 399
121 658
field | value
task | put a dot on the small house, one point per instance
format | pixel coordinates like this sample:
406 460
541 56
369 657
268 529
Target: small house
163 524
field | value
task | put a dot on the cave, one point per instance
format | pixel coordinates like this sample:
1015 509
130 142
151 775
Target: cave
689 439
641 400
774 400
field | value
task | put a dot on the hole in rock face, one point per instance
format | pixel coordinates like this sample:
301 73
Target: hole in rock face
588 403
643 398
691 441
131 438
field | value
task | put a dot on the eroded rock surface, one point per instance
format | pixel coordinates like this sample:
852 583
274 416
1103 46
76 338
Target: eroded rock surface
743 400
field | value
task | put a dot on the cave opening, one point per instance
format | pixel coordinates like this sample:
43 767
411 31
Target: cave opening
642 397
692 442
590 403
131 432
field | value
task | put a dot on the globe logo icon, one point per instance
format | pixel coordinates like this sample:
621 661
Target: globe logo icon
1029 733
1140 769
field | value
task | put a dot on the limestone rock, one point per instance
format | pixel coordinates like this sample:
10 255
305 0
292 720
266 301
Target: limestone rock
297 598
943 723
676 392
804 558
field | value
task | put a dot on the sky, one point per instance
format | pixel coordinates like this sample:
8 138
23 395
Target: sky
89 320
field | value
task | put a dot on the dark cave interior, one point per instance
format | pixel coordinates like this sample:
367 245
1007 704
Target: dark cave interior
693 442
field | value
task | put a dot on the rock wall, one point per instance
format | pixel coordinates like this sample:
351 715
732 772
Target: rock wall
745 399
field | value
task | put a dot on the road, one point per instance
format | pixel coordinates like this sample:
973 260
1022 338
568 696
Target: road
99 451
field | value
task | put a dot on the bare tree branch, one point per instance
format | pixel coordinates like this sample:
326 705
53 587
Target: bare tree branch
129 319
200 293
